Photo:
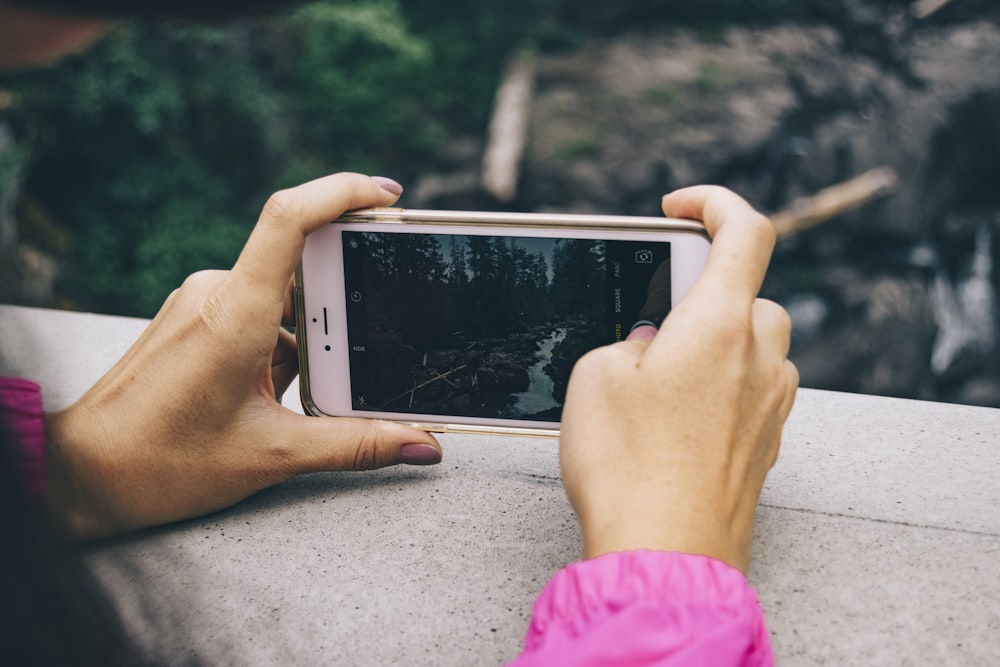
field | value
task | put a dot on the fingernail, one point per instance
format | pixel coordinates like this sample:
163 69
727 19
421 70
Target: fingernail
645 332
388 185
419 454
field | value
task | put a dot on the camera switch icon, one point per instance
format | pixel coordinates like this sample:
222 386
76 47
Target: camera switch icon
644 256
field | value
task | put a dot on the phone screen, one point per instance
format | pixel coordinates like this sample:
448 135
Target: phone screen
488 326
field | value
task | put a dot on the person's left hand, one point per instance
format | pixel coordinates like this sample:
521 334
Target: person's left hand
188 421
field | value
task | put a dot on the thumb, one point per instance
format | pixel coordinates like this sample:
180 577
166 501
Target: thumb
322 444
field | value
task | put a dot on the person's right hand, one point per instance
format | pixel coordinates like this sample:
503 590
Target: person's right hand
666 442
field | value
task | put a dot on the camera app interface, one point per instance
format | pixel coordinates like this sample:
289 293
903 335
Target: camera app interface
486 326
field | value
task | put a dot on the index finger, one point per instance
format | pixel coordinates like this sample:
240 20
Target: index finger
274 248
742 240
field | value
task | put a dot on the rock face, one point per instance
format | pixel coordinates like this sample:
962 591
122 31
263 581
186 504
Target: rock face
898 298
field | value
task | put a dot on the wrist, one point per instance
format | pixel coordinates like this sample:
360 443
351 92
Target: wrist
71 494
697 534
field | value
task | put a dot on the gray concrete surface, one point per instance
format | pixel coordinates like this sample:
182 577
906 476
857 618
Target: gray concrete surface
877 542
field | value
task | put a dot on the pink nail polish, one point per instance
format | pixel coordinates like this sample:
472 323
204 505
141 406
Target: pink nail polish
645 332
419 454
388 184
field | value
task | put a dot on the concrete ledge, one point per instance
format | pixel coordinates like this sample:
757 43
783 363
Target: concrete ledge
878 539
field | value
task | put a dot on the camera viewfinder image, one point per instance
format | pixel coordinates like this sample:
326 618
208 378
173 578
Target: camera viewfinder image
489 326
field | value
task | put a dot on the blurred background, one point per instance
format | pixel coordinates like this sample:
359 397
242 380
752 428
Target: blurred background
869 128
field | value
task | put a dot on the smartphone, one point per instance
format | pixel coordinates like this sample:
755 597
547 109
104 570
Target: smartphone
471 321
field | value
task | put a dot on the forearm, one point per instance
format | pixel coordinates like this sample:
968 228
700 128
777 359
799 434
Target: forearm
35 462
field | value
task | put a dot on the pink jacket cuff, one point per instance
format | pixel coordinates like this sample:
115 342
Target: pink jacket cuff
647 608
21 416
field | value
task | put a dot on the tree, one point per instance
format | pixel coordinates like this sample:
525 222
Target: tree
458 276
578 267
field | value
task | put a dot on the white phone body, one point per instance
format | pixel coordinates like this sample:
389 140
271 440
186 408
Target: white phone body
357 359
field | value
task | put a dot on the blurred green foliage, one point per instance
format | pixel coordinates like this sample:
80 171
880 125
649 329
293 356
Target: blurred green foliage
157 147
153 152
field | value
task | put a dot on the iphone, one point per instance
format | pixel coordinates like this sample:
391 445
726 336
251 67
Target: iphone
471 321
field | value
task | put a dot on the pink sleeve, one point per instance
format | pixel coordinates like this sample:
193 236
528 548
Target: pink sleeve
21 416
647 608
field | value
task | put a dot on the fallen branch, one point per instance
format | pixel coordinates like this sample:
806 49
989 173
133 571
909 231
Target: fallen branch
921 9
832 201
424 384
508 128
